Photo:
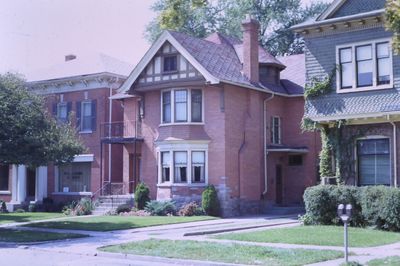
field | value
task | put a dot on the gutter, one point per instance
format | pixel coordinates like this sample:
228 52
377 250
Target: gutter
265 145
336 20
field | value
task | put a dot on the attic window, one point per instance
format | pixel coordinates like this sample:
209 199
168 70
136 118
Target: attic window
170 63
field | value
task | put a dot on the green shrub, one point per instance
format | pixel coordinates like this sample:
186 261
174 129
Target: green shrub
3 207
190 209
123 208
142 196
375 206
321 205
371 202
84 207
19 210
390 210
210 202
160 208
32 207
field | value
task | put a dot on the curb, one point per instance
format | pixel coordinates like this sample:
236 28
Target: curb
235 229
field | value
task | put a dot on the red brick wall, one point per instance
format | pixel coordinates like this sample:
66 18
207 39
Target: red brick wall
92 140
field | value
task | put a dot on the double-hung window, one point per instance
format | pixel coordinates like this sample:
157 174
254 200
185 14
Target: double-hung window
198 166
180 164
165 165
276 130
182 106
62 112
373 162
364 66
86 124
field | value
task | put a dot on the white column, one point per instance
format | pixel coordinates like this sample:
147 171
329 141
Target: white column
21 183
14 183
41 183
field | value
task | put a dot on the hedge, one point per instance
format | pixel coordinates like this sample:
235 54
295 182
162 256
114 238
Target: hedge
376 206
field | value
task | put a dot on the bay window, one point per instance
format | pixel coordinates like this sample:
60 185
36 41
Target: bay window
182 106
364 66
373 162
183 164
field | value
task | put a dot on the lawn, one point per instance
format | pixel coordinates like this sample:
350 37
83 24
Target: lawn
229 253
24 236
27 216
317 235
109 223
388 261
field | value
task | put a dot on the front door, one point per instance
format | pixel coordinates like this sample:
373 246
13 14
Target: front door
279 184
134 170
31 183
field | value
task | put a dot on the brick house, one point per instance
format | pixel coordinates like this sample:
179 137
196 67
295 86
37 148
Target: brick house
350 41
217 111
77 89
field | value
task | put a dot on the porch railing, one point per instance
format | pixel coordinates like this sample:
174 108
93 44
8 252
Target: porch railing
122 129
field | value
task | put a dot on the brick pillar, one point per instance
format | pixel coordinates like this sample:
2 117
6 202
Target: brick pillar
250 48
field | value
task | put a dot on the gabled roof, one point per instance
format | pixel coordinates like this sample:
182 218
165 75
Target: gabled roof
82 66
293 77
331 9
217 58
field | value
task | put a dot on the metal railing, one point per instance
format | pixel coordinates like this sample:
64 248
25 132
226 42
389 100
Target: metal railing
123 129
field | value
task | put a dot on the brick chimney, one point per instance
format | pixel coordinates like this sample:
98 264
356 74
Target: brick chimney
250 28
70 57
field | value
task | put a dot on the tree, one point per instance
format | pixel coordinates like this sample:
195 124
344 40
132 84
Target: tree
200 18
392 18
28 134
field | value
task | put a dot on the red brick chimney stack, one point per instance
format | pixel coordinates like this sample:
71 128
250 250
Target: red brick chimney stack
250 28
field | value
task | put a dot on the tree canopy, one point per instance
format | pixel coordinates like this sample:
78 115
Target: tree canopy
201 17
392 18
28 134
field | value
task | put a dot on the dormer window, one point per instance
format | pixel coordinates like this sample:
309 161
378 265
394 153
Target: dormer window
364 66
170 63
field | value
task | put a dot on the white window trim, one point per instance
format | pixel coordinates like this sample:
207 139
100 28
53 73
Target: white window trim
375 85
357 177
279 130
82 111
188 147
189 107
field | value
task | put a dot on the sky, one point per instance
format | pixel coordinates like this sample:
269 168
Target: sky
38 34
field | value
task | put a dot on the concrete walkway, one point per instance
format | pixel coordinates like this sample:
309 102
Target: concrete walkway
84 251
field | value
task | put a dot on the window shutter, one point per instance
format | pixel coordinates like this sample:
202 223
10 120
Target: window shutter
55 110
69 109
94 103
78 115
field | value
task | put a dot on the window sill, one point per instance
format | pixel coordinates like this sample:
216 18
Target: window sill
182 124
72 193
168 185
5 192
369 88
86 132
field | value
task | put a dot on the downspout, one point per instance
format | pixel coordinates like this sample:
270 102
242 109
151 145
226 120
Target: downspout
394 152
109 134
265 145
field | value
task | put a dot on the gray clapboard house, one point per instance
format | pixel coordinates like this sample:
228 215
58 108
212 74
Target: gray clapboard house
349 40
